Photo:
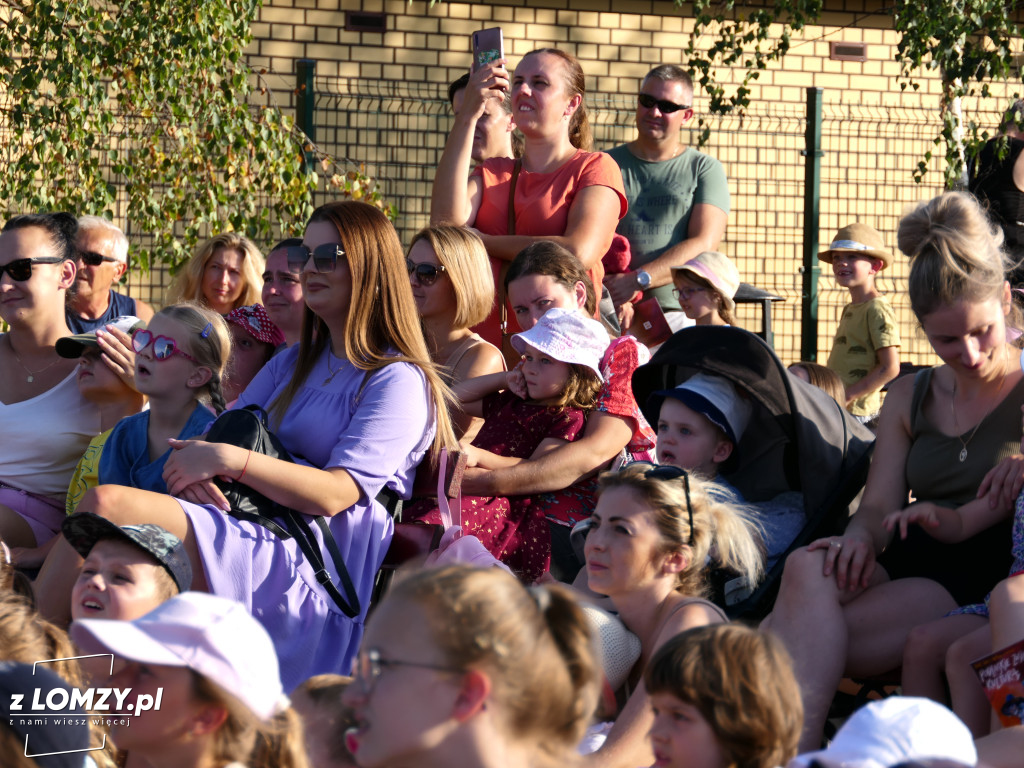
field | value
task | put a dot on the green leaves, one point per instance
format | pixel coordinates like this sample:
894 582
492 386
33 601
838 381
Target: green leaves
146 108
969 44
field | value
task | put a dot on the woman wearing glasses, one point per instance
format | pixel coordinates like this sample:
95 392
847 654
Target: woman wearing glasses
357 403
453 290
465 666
45 422
226 272
559 190
647 549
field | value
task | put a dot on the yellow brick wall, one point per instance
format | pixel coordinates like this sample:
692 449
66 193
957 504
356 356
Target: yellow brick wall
617 43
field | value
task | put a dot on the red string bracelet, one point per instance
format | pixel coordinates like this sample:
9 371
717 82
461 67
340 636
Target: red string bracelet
247 457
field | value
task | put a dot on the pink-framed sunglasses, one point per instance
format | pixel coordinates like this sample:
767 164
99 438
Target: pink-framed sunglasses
164 347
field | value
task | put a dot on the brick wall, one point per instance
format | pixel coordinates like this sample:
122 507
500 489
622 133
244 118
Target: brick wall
866 169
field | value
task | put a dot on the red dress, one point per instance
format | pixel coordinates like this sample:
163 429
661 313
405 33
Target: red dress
623 356
511 528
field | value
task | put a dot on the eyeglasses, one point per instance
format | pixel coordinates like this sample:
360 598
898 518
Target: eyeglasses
686 293
325 257
426 274
667 472
369 665
92 259
20 270
666 107
164 347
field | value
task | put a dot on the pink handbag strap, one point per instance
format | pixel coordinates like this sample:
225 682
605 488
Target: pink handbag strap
442 497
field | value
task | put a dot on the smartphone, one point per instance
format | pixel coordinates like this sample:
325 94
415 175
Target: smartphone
488 46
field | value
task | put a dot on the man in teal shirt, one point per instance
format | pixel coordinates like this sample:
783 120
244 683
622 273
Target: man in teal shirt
678 197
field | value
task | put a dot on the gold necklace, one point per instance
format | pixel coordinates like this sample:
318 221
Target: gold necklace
31 374
956 427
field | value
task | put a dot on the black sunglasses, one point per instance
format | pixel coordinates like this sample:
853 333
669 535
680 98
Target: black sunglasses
426 274
668 472
20 270
91 259
325 257
666 107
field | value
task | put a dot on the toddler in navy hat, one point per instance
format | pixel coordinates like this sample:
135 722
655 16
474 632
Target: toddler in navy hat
700 423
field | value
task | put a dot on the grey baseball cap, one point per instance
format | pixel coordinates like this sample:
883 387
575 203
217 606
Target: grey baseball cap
83 529
73 346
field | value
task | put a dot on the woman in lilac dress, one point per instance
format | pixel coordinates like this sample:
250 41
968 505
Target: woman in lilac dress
357 403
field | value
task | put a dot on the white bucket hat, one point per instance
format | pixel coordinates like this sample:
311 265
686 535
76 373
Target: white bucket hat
566 336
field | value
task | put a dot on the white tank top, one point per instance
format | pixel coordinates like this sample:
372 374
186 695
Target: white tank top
42 438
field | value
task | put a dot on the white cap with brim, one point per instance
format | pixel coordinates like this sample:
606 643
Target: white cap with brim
715 398
213 636
893 731
74 346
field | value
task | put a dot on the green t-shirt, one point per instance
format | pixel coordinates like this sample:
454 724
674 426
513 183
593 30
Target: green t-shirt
863 329
661 197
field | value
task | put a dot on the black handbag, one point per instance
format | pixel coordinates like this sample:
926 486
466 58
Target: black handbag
247 428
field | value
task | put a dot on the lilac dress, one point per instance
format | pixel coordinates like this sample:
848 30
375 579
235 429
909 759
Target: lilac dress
379 440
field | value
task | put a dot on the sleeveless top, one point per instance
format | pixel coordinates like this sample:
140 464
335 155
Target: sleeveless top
118 305
970 568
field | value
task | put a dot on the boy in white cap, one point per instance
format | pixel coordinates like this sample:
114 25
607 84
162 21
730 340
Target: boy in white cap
700 423
866 349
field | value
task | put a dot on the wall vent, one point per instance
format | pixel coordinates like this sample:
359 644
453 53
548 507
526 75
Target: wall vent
848 51
365 21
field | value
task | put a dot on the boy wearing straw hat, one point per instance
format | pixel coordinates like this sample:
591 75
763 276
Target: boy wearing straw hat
866 349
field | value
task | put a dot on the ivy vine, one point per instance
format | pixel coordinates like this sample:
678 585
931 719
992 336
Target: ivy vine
148 106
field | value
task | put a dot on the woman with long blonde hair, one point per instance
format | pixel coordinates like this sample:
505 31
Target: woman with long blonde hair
358 404
226 272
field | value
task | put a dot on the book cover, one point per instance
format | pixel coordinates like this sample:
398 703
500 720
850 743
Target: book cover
1002 675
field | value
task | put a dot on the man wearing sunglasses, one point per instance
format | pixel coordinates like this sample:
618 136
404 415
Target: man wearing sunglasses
102 259
678 197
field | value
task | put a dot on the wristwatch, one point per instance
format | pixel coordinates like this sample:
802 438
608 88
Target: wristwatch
643 279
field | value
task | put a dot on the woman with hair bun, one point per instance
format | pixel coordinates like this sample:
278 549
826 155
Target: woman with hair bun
844 607
559 190
650 538
465 666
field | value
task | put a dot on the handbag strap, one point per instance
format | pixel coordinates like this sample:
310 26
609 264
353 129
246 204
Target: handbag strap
442 498
502 298
348 603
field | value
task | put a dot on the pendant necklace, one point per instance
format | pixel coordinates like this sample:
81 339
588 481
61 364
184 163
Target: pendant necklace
956 427
31 374
332 372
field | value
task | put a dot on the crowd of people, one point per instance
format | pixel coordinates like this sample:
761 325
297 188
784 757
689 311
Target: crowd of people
233 582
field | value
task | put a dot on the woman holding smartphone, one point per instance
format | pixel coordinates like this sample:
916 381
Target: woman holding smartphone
559 189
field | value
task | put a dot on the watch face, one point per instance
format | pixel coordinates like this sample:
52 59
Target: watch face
643 278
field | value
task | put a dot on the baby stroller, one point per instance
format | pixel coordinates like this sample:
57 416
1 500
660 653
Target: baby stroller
798 438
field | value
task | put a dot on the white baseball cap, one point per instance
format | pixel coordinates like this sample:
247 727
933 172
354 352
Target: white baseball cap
213 636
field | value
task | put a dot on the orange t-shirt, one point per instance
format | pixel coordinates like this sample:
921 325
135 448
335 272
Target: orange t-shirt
542 206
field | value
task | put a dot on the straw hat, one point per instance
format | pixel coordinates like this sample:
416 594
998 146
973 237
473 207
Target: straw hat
861 240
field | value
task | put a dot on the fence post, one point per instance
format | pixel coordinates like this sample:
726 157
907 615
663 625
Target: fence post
305 103
812 209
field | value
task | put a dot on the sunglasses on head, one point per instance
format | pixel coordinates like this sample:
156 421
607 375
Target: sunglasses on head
426 274
325 257
668 472
666 107
164 347
92 259
20 270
